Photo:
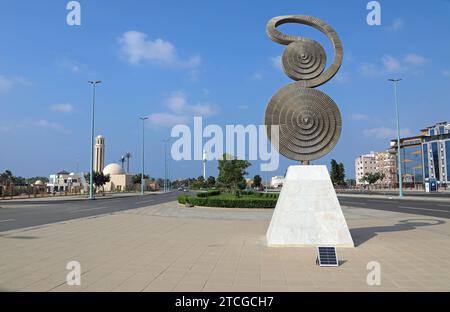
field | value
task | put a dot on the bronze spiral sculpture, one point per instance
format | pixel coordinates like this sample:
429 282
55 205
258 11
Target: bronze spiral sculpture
309 121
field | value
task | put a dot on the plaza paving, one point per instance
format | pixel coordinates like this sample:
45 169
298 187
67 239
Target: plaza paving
168 247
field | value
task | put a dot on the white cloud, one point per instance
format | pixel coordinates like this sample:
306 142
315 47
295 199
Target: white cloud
397 24
180 111
62 108
73 66
411 62
391 64
166 119
137 48
256 76
342 77
7 83
415 59
385 133
35 124
277 62
359 117
242 107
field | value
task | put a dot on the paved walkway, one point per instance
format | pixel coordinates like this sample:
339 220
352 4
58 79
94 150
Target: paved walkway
171 248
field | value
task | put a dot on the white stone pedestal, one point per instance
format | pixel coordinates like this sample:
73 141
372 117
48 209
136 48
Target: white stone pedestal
308 212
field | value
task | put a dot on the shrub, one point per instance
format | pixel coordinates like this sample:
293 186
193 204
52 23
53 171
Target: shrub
229 202
208 193
182 199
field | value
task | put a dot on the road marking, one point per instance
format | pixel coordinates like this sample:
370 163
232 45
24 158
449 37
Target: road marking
9 220
145 201
380 201
88 209
444 205
355 203
423 209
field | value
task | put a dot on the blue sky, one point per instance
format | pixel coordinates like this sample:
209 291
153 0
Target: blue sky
171 60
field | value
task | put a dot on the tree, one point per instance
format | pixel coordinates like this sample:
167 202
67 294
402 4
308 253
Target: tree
137 178
211 181
100 179
128 156
122 161
372 178
337 173
257 181
232 172
199 183
34 179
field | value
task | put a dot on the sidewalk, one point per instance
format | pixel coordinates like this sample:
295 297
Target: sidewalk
171 248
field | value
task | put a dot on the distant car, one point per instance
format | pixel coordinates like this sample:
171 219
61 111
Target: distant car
185 190
180 189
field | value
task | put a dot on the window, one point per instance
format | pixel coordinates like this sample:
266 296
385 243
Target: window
434 147
447 153
425 161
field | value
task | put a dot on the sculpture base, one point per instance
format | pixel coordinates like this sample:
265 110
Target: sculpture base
308 213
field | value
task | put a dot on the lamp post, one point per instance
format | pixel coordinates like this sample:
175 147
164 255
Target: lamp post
400 175
91 176
143 153
165 165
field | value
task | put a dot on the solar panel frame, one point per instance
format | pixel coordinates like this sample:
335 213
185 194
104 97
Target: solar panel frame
327 256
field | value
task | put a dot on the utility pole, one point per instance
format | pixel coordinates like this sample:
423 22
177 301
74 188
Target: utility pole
399 154
91 176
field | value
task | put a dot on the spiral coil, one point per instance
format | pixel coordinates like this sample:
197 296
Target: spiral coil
309 120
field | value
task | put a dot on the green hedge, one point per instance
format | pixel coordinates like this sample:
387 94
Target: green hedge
208 193
229 202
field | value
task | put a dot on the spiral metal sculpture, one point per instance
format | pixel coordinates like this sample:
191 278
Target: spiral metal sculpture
309 120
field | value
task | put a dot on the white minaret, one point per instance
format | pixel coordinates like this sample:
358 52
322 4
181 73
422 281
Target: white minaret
99 160
204 164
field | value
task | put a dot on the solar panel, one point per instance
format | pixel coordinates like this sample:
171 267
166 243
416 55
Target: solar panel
326 257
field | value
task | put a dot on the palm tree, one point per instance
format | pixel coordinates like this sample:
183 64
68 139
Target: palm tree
128 156
122 160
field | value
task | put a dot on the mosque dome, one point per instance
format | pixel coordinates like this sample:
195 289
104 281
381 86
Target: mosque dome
113 169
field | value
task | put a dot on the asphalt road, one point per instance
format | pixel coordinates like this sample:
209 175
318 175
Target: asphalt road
395 193
439 209
23 214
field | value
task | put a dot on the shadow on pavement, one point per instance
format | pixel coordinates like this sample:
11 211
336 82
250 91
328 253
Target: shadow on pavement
362 235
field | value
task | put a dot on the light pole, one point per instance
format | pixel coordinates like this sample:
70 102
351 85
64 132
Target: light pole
143 153
400 175
91 176
165 165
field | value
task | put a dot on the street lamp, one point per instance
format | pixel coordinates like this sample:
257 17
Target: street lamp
165 165
143 153
91 177
400 176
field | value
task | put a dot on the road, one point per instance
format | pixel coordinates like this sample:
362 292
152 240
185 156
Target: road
418 207
23 214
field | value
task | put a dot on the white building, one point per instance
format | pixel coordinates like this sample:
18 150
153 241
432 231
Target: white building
365 164
66 182
277 182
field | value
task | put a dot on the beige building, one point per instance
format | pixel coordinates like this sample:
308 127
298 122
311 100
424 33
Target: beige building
99 162
364 164
119 180
386 164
